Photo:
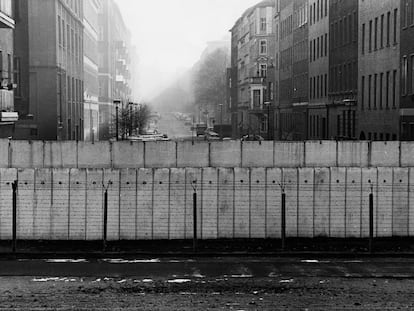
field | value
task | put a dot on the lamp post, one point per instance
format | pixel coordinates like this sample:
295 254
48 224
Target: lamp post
116 103
268 119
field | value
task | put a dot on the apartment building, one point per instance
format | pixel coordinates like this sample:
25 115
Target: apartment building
91 10
8 116
253 43
49 50
406 45
379 74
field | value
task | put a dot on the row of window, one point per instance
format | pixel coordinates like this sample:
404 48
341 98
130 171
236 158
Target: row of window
286 58
300 16
318 87
407 18
343 77
300 51
379 91
6 70
407 75
318 10
318 48
317 127
344 30
378 35
286 27
346 124
382 136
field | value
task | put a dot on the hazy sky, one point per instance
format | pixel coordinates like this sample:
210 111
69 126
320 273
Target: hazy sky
171 34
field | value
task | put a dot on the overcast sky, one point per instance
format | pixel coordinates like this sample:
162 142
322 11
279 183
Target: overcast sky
171 34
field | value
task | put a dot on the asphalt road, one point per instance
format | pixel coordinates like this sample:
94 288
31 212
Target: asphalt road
174 128
211 268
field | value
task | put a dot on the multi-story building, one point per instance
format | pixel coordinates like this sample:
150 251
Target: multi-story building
114 62
49 49
343 69
91 10
274 95
253 45
318 69
379 62
406 45
7 111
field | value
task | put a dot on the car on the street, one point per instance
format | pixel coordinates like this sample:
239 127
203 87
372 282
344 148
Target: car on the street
252 138
211 135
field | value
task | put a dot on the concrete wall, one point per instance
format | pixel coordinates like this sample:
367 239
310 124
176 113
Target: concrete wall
230 154
153 204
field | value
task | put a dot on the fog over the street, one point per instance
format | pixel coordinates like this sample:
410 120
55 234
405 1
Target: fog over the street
171 35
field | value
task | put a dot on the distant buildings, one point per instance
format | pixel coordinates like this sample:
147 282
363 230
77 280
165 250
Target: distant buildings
7 109
342 70
72 61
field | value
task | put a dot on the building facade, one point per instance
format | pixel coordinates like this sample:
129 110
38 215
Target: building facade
407 70
49 45
253 50
114 66
91 10
8 116
379 74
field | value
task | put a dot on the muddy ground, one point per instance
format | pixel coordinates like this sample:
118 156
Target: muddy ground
28 293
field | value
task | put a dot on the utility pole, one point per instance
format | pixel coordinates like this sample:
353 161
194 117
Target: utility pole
116 103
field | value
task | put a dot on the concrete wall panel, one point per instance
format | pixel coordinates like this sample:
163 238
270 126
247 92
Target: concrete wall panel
94 204
112 183
177 204
322 184
25 204
353 203
128 204
290 182
144 230
385 154
60 204
160 154
206 202
384 203
60 154
353 154
241 203
7 177
369 178
306 203
337 203
273 203
226 203
26 154
407 152
4 153
411 203
289 154
127 155
400 202
161 204
43 204
320 154
257 154
77 209
97 155
258 203
225 154
191 154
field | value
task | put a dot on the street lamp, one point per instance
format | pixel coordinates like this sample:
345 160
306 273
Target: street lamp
268 119
116 103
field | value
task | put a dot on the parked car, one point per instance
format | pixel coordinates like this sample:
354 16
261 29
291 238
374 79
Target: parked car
211 135
252 138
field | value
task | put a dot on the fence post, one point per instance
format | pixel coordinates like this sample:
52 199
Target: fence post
105 220
195 221
14 213
283 219
371 222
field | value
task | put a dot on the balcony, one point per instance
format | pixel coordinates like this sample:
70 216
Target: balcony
6 19
257 80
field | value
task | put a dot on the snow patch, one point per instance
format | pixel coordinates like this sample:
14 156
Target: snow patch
179 281
124 261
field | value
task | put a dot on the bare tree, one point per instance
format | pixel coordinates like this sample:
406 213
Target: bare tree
132 119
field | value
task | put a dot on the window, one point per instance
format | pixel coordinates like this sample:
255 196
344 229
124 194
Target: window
369 91
362 93
363 39
388 27
395 25
376 34
310 88
387 91
381 90
263 24
317 47
256 99
17 76
1 64
412 74
404 75
60 30
326 44
326 85
263 47
394 89
382 32
370 37
9 68
310 51
375 91
263 70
